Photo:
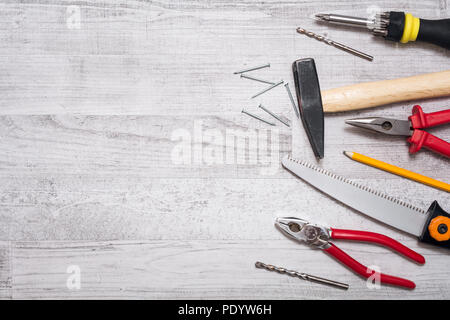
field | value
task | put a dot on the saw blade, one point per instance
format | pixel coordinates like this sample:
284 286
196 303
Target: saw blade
375 204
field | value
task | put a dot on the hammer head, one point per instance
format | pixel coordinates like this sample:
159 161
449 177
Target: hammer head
310 102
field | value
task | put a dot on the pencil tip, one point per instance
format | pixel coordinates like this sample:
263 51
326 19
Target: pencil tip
348 154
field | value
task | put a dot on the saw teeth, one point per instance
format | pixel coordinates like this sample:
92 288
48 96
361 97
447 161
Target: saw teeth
362 187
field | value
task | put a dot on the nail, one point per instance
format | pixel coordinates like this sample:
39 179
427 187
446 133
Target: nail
267 89
257 118
274 115
292 100
254 68
256 79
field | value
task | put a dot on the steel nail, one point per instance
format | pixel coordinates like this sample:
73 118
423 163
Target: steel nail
257 118
256 79
274 115
292 100
267 89
253 68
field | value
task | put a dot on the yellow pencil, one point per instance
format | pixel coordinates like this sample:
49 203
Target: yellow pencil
398 171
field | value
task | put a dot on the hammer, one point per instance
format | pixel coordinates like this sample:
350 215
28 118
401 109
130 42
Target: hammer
312 103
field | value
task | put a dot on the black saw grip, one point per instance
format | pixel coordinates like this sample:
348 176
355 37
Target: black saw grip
437 227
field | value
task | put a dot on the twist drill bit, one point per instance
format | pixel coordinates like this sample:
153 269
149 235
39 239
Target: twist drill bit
302 276
335 44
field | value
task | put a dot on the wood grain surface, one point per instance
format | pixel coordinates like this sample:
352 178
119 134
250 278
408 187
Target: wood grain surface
116 159
379 93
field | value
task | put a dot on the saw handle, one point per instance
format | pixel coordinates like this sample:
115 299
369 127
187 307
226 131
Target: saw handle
378 93
373 237
366 272
437 227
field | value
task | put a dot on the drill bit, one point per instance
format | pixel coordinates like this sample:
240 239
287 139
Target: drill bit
302 276
335 44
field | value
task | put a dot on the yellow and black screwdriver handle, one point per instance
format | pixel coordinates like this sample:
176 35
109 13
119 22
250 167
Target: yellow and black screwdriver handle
437 227
404 27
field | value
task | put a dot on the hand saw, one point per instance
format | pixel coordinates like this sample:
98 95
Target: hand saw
431 226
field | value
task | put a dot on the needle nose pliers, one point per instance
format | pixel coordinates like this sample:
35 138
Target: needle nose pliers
411 127
320 236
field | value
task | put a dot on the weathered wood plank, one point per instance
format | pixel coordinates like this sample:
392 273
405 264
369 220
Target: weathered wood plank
101 207
5 269
213 146
101 177
213 269
178 58
90 114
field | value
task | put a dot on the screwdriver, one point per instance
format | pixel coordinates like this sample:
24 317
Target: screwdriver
397 26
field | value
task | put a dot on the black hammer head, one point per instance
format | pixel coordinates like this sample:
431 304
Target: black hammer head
310 102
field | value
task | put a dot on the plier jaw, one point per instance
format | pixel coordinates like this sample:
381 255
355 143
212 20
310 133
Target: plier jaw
303 231
320 237
412 128
388 126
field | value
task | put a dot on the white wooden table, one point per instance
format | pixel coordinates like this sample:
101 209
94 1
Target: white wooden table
96 94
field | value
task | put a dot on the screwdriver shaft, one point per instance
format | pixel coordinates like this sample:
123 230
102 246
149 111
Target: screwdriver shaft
346 20
378 24
302 276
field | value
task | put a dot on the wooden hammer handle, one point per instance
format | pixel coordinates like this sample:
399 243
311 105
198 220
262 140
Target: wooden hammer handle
372 94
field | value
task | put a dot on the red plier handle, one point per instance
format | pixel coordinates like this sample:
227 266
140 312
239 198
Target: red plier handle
374 238
420 120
